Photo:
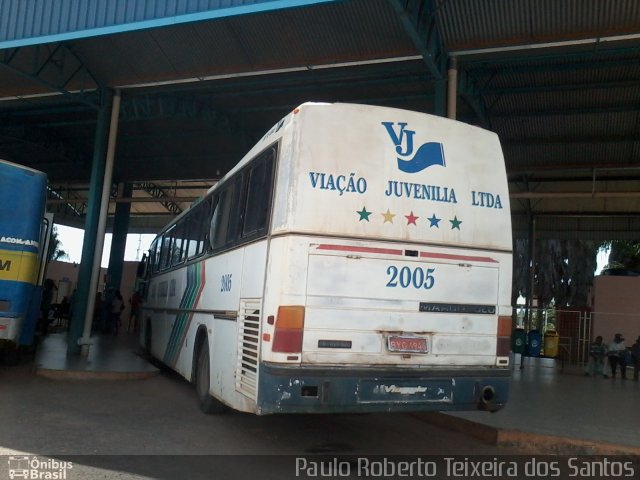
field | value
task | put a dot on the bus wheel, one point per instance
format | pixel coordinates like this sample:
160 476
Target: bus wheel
208 404
11 355
147 338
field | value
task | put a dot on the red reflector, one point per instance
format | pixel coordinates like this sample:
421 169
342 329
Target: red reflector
266 337
503 347
3 327
287 341
504 326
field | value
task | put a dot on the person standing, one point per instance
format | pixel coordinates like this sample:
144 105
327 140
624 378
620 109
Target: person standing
48 289
616 353
134 316
597 353
116 307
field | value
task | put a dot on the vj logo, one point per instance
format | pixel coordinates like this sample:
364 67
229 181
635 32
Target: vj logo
428 154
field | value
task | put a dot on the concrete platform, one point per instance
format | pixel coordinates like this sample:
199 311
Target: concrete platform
556 410
109 358
550 410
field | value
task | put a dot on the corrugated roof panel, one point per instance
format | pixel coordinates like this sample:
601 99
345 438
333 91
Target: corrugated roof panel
562 126
473 24
569 100
588 70
568 155
292 38
29 23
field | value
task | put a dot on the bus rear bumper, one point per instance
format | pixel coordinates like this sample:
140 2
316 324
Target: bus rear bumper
349 390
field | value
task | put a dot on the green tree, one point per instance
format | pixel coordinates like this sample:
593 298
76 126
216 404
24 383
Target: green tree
564 270
55 247
624 254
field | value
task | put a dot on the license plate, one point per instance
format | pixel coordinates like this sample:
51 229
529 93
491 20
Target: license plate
407 344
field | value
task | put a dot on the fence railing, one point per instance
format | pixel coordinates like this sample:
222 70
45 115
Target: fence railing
574 328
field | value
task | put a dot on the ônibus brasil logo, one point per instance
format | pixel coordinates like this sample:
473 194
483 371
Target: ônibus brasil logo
428 154
38 468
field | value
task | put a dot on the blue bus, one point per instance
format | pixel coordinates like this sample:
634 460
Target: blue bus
22 205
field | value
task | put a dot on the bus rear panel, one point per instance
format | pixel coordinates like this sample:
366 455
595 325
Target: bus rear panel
389 272
22 202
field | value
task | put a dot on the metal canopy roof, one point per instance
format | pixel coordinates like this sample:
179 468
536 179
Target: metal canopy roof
558 80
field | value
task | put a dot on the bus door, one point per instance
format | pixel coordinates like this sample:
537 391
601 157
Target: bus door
33 313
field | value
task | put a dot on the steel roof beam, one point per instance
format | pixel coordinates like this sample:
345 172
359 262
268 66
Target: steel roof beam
160 195
418 17
560 88
143 107
578 214
592 62
594 42
58 59
473 96
504 62
567 111
590 139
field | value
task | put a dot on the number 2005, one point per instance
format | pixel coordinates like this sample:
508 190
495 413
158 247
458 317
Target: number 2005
406 277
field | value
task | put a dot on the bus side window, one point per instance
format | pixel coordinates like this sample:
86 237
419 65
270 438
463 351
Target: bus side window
176 251
215 219
165 251
219 220
234 211
258 200
191 237
204 243
152 256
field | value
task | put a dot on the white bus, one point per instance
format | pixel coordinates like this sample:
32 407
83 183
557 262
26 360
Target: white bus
357 259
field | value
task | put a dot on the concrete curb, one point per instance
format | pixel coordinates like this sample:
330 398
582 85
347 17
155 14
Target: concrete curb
94 375
528 442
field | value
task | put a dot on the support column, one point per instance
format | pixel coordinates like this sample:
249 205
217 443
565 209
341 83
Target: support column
453 88
532 270
85 341
119 239
440 102
83 292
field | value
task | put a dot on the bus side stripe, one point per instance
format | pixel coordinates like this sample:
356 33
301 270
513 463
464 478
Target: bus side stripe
347 248
190 298
177 324
200 284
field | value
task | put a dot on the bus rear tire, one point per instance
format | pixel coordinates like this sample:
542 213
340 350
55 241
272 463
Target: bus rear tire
147 338
208 404
10 355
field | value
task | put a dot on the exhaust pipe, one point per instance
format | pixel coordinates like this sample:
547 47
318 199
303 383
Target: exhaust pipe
487 397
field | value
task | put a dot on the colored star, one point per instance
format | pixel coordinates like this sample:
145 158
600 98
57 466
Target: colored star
455 223
411 218
364 215
434 221
388 217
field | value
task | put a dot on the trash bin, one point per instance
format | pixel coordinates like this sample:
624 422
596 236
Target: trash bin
534 343
518 341
551 341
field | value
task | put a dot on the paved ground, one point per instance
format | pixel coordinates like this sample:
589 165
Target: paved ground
547 400
145 428
159 416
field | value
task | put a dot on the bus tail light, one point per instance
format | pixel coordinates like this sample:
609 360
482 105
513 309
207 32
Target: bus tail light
287 337
503 346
